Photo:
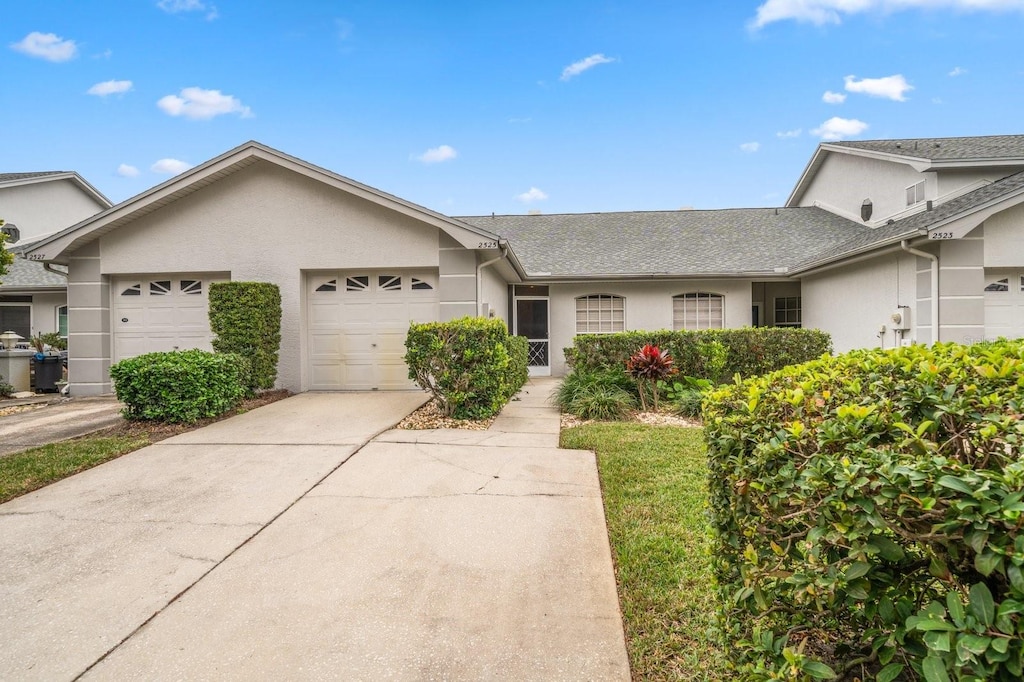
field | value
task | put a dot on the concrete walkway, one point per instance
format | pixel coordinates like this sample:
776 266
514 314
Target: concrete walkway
256 548
55 421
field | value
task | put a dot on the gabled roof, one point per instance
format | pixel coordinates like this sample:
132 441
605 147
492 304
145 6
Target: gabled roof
984 148
651 244
16 179
26 275
918 224
55 247
922 154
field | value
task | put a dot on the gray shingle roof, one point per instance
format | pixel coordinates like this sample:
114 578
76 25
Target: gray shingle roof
11 177
1001 147
919 222
719 242
29 274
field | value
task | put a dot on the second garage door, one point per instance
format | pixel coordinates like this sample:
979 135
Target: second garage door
358 321
1004 303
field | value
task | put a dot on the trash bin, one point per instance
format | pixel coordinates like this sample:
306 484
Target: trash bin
49 370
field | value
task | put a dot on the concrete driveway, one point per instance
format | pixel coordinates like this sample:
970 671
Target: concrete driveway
255 548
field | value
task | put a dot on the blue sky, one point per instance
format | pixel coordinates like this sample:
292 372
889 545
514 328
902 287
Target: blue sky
473 107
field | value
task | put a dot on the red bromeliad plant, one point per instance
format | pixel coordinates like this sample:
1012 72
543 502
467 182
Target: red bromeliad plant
648 366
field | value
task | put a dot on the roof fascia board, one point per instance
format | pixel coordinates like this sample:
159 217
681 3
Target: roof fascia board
953 164
817 159
980 214
634 277
66 175
54 247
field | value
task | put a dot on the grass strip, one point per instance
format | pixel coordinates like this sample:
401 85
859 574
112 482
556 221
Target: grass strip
654 485
26 471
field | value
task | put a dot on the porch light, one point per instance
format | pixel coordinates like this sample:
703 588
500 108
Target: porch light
9 339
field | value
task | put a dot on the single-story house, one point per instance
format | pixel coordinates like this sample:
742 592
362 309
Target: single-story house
882 242
33 295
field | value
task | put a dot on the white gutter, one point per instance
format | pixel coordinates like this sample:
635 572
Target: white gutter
503 245
905 245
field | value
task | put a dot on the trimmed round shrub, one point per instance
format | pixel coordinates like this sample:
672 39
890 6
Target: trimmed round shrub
868 511
179 386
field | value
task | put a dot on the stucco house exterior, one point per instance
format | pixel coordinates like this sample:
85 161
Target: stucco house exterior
33 296
881 243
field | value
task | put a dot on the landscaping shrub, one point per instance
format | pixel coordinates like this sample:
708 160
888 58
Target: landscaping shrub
245 318
868 511
714 354
649 366
470 365
179 386
605 395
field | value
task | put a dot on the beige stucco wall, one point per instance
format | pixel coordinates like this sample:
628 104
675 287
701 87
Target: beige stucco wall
44 311
265 223
648 306
852 302
1004 239
495 293
43 208
845 181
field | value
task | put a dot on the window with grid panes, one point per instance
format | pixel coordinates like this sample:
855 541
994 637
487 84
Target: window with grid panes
787 311
600 314
698 310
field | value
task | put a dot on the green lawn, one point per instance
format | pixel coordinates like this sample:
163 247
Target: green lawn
26 471
653 480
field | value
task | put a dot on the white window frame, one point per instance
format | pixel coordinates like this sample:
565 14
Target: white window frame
799 311
915 193
602 315
703 310
67 320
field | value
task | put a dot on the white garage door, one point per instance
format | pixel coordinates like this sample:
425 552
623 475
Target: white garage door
1004 303
358 321
161 312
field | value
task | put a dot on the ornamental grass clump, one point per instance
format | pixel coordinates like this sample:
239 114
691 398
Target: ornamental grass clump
648 366
868 511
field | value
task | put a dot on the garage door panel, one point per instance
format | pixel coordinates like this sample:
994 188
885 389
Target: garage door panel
1004 303
370 322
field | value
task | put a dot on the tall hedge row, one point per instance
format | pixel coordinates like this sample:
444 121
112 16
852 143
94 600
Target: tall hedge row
750 351
868 511
245 318
471 365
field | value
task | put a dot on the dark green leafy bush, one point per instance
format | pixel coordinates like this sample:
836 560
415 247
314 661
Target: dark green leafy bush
868 511
471 365
179 386
715 354
245 318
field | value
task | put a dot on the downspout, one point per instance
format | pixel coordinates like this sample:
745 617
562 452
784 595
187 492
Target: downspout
49 267
905 245
503 245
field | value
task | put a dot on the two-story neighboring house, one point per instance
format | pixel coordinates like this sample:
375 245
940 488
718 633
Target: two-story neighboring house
944 244
33 297
881 243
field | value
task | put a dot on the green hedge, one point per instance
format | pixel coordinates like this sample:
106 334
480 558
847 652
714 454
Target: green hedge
868 511
471 365
750 351
245 318
179 386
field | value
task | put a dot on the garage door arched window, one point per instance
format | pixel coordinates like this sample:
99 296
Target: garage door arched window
698 310
600 314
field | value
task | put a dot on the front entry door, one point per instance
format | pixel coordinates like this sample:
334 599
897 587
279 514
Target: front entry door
532 322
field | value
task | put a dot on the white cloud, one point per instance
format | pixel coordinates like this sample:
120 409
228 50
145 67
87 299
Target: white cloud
837 128
176 6
784 134
109 88
437 154
889 87
531 195
170 166
957 71
821 12
833 97
750 147
46 46
576 68
199 104
126 171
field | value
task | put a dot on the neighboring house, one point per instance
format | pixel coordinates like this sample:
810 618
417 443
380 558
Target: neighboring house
860 243
33 297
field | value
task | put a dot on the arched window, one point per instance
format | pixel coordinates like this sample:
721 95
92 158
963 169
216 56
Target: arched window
698 310
600 314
